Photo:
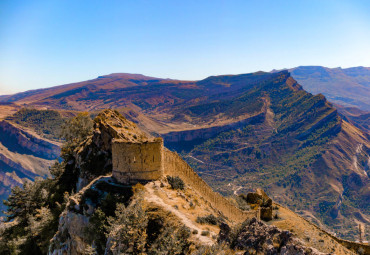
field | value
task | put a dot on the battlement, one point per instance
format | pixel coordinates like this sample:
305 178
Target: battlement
137 161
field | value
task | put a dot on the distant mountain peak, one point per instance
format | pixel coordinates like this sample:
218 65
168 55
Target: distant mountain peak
129 76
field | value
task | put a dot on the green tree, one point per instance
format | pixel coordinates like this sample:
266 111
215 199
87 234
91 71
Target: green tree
75 131
96 230
172 240
127 231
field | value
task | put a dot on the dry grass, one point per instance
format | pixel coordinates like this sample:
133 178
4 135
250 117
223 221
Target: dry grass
189 206
308 233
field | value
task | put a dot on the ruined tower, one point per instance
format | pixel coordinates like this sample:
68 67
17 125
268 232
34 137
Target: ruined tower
137 161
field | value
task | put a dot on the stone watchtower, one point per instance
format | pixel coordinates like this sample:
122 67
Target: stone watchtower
137 161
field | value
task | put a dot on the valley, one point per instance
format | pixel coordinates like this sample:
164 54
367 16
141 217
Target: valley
240 132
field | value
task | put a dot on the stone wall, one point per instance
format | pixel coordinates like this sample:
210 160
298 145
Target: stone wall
174 165
137 161
147 161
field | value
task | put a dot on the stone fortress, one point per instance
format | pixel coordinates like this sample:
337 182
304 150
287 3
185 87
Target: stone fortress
149 160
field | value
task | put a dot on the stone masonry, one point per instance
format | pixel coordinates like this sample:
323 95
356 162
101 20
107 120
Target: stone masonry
137 161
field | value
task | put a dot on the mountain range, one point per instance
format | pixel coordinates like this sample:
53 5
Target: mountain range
239 132
348 87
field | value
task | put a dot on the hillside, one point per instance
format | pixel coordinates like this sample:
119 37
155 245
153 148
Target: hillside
349 87
168 215
23 156
298 144
241 132
355 116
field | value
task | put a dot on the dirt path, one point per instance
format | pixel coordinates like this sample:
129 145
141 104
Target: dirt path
151 197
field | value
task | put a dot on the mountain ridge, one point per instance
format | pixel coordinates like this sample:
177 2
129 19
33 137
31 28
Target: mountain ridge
344 86
262 129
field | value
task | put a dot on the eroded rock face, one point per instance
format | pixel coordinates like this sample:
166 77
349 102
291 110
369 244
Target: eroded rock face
23 155
255 236
73 235
23 142
68 239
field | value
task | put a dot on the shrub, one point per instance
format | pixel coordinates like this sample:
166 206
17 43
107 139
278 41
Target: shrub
205 233
91 194
74 131
214 249
172 240
209 219
176 182
242 203
96 229
138 188
191 204
195 232
128 229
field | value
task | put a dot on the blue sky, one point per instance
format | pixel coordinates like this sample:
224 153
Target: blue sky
53 42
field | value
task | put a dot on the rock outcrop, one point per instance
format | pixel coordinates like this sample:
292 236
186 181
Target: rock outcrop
256 237
93 157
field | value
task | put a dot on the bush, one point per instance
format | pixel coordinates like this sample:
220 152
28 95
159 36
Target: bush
205 233
221 249
242 203
175 182
74 131
209 219
138 188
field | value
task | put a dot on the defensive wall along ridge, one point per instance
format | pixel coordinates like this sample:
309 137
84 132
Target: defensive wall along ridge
176 166
147 161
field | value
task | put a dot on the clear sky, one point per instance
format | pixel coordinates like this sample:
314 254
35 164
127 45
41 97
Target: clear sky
53 42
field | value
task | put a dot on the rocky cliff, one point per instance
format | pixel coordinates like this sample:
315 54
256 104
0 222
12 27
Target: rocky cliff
94 156
23 156
17 139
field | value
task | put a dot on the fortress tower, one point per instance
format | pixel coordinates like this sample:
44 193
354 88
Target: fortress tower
137 161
